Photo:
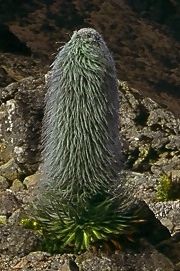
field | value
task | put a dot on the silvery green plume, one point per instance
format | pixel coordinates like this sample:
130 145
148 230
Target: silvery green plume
76 204
82 152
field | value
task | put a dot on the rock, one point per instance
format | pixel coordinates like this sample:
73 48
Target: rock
22 104
143 185
17 67
5 78
40 261
3 219
5 150
151 134
70 265
17 185
152 229
10 170
175 175
166 163
3 183
167 223
17 241
147 259
33 258
31 181
16 217
8 203
171 248
167 211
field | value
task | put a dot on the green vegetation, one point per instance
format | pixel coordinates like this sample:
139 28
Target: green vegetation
66 228
164 188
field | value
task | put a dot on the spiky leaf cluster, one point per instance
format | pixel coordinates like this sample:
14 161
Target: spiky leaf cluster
71 227
75 206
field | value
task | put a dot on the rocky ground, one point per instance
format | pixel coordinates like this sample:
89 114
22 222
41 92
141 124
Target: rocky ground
144 39
151 140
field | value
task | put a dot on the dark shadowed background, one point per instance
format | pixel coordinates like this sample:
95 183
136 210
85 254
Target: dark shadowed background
142 35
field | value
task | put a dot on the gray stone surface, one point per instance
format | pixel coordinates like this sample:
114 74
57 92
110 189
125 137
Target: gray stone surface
22 111
17 241
17 185
168 213
8 203
31 181
148 259
38 261
4 184
151 132
10 170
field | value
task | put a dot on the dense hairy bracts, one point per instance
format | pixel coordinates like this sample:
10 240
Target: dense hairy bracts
82 153
79 201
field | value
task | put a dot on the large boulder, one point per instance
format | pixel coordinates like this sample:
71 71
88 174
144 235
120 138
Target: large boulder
17 241
151 132
146 259
22 112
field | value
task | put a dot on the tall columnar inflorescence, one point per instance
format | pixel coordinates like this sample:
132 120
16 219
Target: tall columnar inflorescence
76 203
82 152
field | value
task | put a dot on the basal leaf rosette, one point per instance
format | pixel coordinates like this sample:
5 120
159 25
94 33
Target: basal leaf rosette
67 226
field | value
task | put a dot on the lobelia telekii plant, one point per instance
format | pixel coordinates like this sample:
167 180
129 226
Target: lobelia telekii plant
80 200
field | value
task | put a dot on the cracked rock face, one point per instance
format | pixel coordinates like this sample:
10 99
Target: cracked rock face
152 133
147 260
17 241
22 112
8 203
